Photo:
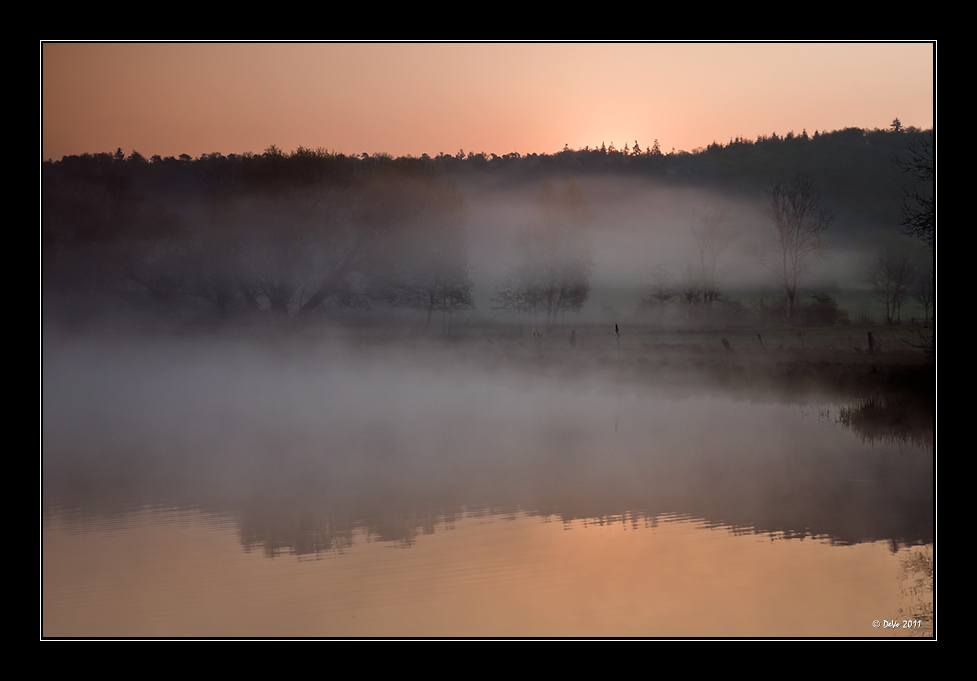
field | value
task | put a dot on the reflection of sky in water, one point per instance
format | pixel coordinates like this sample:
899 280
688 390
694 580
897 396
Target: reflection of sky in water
475 575
320 458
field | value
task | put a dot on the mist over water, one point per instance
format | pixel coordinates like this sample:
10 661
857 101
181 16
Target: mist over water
305 447
416 423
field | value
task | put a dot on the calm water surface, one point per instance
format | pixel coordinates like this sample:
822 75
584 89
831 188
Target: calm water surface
191 491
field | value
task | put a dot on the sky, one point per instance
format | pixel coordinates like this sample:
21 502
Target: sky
416 98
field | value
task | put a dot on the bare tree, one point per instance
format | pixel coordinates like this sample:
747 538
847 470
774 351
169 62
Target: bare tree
713 235
662 291
552 275
919 203
691 291
891 278
924 291
434 273
800 218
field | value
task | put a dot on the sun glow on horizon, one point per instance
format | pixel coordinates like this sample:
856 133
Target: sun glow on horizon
407 98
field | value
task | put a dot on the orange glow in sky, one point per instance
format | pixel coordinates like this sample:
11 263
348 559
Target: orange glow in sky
416 98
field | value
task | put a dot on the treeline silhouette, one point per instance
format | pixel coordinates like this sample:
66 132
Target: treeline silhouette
289 234
296 233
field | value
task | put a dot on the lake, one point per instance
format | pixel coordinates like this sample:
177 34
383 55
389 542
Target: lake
222 488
